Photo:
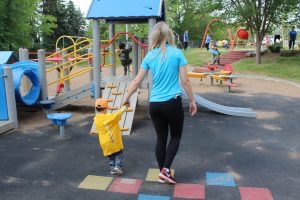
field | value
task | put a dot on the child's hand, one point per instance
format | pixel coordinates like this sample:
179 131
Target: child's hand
126 103
93 133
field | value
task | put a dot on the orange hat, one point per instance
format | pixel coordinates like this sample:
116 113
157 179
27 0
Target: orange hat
101 103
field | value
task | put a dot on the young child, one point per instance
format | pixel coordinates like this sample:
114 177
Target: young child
216 56
110 136
123 54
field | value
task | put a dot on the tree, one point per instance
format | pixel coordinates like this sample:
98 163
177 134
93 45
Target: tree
258 15
69 20
15 23
191 15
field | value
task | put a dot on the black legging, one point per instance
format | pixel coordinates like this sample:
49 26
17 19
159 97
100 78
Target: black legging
167 115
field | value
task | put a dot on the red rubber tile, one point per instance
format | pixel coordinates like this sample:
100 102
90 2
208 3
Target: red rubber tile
248 193
189 191
125 185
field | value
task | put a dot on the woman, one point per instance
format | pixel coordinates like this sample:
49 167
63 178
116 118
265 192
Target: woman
167 64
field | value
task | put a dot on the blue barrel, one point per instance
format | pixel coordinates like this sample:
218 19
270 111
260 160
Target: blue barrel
33 94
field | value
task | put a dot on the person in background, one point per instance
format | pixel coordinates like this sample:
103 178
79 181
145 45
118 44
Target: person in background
292 37
167 65
185 39
123 54
207 41
216 56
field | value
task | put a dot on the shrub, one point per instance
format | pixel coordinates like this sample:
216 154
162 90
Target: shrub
289 53
275 48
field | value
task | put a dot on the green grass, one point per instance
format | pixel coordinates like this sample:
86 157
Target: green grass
279 67
272 65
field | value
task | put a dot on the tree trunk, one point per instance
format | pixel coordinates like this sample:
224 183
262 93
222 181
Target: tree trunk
258 47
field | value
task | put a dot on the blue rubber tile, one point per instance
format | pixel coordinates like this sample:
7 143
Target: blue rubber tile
221 179
151 197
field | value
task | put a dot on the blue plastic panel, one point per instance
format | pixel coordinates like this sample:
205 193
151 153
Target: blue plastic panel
106 9
3 105
4 56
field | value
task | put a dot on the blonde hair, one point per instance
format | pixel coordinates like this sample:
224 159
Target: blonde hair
160 36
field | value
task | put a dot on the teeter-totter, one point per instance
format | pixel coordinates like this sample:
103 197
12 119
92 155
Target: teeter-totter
114 93
224 75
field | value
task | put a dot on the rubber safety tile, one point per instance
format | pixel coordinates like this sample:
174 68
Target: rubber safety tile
189 191
248 193
152 197
125 185
221 179
95 182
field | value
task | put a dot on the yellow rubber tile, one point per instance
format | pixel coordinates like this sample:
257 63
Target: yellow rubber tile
153 174
95 182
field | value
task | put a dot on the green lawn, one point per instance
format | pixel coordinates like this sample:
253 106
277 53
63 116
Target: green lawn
272 65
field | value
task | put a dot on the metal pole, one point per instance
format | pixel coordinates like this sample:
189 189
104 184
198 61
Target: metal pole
126 29
62 131
112 50
10 96
26 54
42 74
21 55
96 57
66 71
58 63
135 58
91 75
139 57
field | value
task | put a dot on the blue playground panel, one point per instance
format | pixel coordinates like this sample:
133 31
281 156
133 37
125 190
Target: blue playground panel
221 179
152 197
29 69
3 105
125 9
59 119
7 57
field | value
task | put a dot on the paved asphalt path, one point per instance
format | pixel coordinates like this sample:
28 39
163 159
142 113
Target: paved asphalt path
260 153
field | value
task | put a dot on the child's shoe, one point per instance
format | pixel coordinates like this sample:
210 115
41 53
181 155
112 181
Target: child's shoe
112 170
166 175
118 170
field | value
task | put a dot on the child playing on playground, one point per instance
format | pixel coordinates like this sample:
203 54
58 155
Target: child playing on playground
123 54
216 56
110 136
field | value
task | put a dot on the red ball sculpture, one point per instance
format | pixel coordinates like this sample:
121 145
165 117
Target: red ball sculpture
243 34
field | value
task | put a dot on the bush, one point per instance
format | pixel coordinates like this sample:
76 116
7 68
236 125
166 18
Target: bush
275 48
289 53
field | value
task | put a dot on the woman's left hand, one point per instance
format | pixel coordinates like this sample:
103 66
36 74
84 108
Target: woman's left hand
193 108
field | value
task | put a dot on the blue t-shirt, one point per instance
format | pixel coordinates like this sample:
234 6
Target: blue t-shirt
293 34
207 40
165 72
185 37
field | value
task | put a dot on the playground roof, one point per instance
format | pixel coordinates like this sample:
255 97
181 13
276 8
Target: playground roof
7 57
127 11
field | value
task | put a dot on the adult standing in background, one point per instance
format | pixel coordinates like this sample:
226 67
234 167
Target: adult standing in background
167 65
292 37
185 39
207 41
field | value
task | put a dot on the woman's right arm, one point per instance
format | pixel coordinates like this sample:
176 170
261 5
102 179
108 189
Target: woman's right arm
188 89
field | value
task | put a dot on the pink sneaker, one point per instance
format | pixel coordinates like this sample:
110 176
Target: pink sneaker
161 180
165 175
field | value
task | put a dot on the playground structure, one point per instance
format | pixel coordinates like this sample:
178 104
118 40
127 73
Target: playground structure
240 33
34 80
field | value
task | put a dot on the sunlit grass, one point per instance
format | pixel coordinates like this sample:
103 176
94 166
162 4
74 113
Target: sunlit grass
272 65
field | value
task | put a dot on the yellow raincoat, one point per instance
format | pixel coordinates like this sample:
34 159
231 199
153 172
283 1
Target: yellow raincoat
109 132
